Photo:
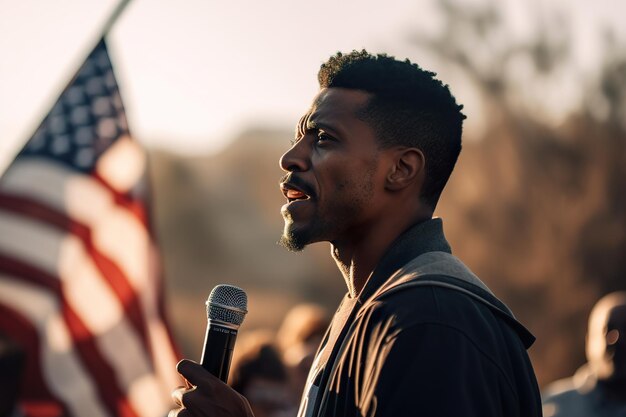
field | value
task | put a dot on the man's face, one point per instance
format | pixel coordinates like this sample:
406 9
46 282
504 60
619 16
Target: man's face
606 344
333 174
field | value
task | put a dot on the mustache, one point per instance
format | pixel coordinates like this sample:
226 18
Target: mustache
299 183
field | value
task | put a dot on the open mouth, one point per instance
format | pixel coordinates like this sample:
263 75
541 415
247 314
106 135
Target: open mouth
292 194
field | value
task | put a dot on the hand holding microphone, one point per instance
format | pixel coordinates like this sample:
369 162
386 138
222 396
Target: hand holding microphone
207 393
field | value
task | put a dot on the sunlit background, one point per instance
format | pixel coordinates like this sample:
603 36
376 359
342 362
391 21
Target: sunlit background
196 73
213 90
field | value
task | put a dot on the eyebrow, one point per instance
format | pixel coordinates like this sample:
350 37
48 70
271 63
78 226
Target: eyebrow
314 125
306 124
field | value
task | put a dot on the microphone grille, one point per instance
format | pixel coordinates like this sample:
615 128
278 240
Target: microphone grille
227 303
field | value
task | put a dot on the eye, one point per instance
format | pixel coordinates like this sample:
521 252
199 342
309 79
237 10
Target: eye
323 137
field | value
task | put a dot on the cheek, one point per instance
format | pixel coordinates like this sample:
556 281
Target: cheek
346 177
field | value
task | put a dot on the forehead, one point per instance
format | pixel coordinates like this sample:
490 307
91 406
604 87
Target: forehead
340 99
334 108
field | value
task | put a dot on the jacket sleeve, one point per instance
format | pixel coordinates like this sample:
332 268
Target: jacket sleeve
429 369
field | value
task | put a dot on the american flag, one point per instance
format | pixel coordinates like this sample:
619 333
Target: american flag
79 279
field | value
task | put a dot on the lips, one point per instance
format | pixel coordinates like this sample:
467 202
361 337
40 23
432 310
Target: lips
293 193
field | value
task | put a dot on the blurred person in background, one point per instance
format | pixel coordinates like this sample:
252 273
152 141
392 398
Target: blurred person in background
299 336
417 333
259 374
598 389
11 370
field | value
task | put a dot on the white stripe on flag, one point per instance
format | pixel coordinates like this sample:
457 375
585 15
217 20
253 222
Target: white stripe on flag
37 244
164 357
122 166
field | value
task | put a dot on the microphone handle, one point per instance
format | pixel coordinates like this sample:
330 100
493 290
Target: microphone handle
219 342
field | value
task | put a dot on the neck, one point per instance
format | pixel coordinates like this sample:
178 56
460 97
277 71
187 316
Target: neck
355 265
358 256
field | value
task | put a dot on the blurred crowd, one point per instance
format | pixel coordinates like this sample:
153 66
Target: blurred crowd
270 368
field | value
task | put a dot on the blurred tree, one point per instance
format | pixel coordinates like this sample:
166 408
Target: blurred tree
538 210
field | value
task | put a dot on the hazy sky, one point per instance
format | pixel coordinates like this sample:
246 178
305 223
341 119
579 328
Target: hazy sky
194 73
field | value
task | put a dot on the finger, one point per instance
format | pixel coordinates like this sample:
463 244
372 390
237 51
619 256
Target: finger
175 413
179 393
180 412
228 402
195 373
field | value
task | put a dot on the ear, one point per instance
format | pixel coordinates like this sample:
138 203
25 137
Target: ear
408 168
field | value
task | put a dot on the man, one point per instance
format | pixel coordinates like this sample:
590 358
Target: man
417 333
12 366
599 387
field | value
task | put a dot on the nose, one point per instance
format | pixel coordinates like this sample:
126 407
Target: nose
296 158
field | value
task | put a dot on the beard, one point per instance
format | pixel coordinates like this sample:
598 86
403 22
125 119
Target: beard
322 227
296 239
293 241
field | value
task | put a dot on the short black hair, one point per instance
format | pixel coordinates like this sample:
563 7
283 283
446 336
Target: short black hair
409 106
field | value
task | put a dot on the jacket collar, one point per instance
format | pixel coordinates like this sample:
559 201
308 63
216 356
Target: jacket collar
426 236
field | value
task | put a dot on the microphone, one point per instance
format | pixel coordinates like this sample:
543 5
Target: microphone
226 308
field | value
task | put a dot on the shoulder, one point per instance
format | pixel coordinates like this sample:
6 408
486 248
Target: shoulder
432 304
474 325
437 285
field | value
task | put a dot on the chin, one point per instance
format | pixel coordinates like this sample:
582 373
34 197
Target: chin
292 242
292 239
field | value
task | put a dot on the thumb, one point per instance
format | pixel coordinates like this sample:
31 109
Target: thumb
195 373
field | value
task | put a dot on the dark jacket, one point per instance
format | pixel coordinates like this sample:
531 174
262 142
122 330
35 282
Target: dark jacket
424 338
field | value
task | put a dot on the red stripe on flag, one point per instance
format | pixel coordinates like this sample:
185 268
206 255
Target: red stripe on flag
29 273
125 200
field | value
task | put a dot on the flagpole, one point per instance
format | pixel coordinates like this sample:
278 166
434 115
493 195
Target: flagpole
121 6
